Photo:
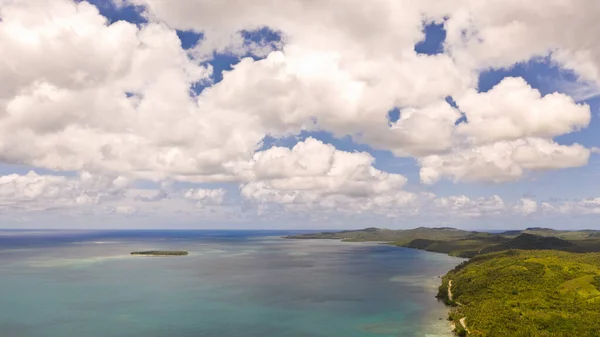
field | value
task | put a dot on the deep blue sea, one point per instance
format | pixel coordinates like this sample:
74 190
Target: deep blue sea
233 283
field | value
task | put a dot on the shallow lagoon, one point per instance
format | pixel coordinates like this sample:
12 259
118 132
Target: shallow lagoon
233 283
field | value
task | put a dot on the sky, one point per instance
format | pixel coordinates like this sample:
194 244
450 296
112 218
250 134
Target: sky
124 114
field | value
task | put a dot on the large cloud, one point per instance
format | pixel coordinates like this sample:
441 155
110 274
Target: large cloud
513 110
330 77
500 33
115 99
465 207
31 192
502 161
109 98
508 132
589 206
128 110
318 175
340 70
89 193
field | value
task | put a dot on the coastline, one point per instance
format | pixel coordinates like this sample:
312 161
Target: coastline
566 246
439 318
450 325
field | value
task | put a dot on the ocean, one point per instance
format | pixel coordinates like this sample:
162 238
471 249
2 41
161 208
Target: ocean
233 283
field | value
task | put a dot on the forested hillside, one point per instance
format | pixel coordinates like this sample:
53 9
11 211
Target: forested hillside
525 293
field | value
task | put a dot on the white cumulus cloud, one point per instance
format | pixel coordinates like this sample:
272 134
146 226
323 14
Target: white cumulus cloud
205 196
316 174
113 102
526 206
502 161
513 110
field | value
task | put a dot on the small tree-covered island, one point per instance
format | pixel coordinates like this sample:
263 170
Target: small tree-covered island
535 282
161 253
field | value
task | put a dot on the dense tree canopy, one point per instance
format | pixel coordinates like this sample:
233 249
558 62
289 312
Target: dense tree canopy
526 293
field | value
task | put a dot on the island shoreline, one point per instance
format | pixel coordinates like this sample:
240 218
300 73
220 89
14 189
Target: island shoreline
451 324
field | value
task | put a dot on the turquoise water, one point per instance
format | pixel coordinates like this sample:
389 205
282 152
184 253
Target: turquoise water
61 284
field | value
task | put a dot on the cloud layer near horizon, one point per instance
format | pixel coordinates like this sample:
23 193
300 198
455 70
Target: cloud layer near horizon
114 103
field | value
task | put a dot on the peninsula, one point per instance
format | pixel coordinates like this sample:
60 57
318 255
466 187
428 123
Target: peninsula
161 253
533 282
468 244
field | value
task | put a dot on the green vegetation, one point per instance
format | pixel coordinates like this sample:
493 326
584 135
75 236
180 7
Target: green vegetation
161 253
531 241
565 235
525 293
537 282
469 243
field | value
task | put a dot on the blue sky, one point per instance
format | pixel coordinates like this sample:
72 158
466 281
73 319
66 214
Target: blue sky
566 188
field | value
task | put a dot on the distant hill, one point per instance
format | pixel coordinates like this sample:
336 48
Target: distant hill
397 237
160 253
532 242
511 233
463 243
538 229
467 246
